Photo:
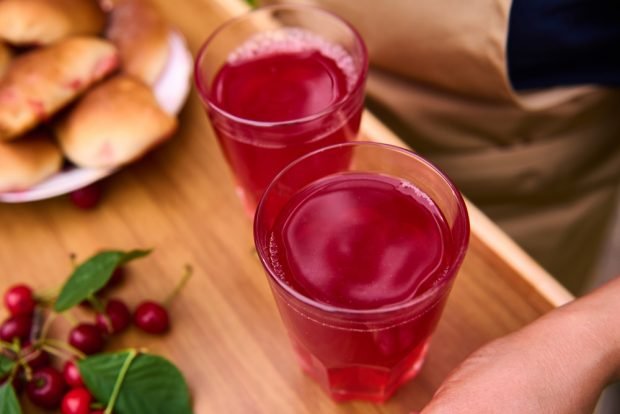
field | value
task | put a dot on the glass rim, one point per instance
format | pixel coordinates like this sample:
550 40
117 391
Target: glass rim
338 310
201 83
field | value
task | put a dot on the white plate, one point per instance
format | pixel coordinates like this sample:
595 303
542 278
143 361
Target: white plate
171 91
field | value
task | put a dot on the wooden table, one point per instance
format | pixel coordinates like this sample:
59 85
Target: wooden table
227 336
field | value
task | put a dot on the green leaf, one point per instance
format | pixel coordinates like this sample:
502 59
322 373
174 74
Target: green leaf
6 366
251 2
92 275
9 404
152 384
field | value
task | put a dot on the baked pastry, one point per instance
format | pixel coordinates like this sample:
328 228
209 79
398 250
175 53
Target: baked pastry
28 161
141 34
41 22
115 123
39 83
5 58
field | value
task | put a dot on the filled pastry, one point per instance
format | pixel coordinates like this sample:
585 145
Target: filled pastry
115 123
39 83
28 161
41 22
141 34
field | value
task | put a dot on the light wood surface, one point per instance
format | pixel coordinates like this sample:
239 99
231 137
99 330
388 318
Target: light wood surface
227 336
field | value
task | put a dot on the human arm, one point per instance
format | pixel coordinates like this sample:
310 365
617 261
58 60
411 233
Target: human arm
558 364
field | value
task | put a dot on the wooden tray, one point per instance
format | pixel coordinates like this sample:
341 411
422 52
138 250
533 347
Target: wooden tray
227 336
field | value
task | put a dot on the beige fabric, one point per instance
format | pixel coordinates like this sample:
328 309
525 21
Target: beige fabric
545 164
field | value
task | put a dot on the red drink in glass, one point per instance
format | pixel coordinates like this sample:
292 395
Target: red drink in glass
360 241
276 87
360 263
282 91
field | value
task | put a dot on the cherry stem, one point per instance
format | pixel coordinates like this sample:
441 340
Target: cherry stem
62 346
119 381
47 325
27 370
186 277
46 297
96 303
29 357
73 260
54 351
38 321
70 318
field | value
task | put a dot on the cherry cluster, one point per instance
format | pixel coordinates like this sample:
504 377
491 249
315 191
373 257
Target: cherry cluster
24 341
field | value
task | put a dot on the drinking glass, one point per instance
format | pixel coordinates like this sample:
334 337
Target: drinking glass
277 83
360 261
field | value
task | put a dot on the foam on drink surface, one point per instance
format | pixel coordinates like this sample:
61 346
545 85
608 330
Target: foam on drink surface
294 40
274 259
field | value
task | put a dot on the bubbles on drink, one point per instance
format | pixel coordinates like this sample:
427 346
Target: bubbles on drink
407 188
295 41
274 258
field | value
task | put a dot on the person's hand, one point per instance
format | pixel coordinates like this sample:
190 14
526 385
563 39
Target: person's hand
558 365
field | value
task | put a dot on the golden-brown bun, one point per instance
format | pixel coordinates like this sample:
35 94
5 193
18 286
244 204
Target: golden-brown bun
141 33
115 123
41 22
39 83
5 58
28 161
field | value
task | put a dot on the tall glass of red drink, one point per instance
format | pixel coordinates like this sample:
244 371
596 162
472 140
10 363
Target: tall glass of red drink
360 262
277 83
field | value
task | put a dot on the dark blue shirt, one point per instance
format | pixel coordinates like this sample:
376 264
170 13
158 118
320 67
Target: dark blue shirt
564 42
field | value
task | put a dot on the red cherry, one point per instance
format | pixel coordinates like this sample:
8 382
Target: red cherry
87 338
19 300
46 388
16 327
97 412
152 317
36 358
116 319
76 401
72 375
86 197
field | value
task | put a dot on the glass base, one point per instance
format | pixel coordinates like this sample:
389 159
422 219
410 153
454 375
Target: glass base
360 382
